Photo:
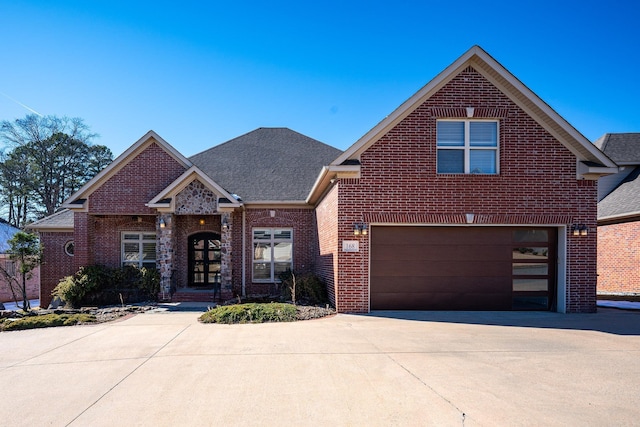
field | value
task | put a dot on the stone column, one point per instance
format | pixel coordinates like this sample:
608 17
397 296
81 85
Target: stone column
165 249
226 266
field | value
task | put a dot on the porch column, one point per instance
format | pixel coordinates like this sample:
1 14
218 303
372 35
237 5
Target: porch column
226 266
164 252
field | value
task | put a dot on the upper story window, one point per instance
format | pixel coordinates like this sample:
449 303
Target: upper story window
467 146
139 249
272 253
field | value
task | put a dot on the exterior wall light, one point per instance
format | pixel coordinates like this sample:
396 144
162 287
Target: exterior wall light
360 229
162 223
579 230
201 221
225 224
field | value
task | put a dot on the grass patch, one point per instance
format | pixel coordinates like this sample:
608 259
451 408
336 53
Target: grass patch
250 313
46 321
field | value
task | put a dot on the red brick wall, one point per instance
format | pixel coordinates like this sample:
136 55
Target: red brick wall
56 264
124 195
107 237
136 183
327 231
304 243
619 258
536 185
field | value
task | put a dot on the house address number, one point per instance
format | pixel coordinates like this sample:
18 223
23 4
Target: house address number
350 246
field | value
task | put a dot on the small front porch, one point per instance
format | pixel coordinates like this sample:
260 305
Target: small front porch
194 257
194 227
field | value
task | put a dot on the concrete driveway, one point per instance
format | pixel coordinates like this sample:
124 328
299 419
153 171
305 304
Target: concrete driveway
386 368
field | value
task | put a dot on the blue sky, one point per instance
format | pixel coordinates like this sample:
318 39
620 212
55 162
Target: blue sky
201 73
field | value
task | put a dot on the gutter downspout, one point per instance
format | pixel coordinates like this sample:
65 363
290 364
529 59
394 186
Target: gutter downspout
244 252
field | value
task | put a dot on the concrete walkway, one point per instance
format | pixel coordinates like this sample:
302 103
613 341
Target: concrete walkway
388 368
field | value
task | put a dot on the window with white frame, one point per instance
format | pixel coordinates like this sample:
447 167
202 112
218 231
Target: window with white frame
272 253
139 249
467 146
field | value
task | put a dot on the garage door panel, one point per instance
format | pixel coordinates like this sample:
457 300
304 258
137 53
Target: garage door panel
442 301
442 236
454 268
412 284
440 268
485 252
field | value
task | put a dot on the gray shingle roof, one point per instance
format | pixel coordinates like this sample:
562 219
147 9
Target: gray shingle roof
624 199
59 220
622 148
267 164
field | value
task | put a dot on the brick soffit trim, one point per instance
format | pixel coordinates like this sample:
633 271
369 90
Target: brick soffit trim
453 219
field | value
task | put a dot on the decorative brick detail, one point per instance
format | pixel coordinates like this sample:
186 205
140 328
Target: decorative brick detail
196 199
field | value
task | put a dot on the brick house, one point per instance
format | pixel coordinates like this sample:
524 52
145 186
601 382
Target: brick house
465 197
619 217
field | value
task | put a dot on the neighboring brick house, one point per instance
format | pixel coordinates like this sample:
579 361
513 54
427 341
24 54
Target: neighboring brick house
465 197
619 217
7 231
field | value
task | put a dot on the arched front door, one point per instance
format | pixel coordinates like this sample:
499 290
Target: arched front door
204 260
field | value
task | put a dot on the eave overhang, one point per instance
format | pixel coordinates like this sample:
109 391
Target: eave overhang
327 176
593 171
618 218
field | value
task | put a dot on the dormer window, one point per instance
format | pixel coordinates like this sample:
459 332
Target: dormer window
467 146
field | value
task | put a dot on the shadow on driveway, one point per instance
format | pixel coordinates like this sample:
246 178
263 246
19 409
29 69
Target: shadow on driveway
609 320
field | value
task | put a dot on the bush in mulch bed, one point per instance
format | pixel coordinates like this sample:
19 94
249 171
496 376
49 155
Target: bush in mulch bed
45 321
263 313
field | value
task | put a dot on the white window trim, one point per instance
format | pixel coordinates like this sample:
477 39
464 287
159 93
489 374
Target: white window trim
271 243
467 147
140 242
66 248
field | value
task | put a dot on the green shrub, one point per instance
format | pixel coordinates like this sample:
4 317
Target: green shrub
250 313
309 288
97 285
46 321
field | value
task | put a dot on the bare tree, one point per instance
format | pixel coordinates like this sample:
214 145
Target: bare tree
57 156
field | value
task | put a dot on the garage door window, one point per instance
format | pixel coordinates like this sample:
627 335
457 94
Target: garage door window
467 146
532 269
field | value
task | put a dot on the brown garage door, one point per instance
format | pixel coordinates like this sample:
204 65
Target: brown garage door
462 268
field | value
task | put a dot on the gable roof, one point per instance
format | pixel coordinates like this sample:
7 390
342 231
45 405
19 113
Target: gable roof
59 221
522 96
623 201
165 199
622 148
77 199
267 164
